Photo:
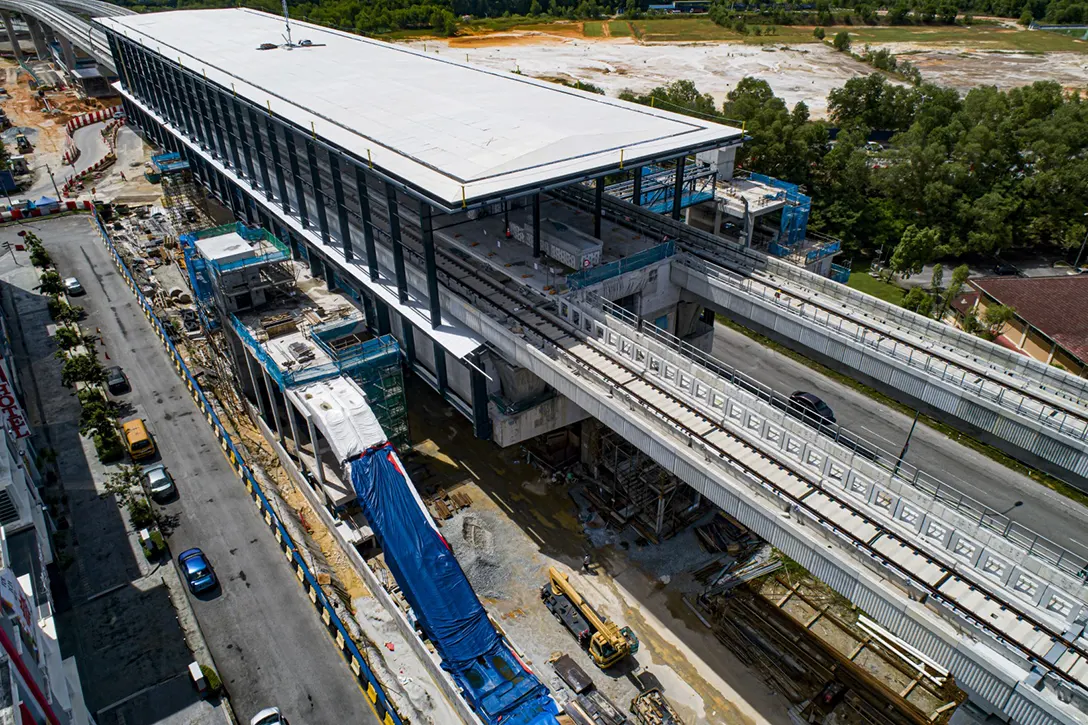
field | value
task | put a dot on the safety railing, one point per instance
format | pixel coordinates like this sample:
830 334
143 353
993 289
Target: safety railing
334 626
839 273
1030 541
910 355
638 260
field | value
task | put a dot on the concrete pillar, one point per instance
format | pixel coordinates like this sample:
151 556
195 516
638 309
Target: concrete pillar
272 388
291 422
717 217
40 46
69 54
315 443
11 36
636 192
481 421
256 387
316 268
382 311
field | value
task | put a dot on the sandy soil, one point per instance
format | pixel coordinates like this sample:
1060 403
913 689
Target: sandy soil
805 73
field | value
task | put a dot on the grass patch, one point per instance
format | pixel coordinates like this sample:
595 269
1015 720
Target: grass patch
862 282
990 452
593 29
619 28
982 38
679 30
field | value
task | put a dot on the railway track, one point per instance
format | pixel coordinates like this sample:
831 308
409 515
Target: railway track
741 268
1033 637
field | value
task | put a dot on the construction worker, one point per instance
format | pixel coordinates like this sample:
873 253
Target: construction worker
585 563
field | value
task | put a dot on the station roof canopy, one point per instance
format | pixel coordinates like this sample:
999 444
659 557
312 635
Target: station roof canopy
450 131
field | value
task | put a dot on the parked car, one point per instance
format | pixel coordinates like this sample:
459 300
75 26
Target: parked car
811 409
1004 269
72 286
269 716
160 484
116 380
198 570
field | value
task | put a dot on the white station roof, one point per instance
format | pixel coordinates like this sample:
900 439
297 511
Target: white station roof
452 130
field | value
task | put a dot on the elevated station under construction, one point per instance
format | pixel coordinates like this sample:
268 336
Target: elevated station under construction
522 248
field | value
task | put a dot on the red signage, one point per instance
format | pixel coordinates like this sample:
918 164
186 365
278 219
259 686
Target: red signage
10 411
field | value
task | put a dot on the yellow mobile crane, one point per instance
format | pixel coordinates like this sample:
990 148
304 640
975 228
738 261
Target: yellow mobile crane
607 643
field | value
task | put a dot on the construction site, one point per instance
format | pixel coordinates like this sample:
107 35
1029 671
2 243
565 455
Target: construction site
469 358
725 628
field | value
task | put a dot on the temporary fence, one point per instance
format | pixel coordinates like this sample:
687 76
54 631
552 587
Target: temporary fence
333 624
86 119
15 214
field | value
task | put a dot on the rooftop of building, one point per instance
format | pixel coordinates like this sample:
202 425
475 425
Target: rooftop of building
1057 306
451 131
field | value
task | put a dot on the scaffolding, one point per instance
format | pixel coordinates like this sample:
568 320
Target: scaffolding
182 197
633 489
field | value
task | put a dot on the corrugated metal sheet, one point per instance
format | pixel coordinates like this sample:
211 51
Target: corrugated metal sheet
981 684
1025 712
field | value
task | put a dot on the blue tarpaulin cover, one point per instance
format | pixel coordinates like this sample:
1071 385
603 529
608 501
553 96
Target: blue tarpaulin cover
495 681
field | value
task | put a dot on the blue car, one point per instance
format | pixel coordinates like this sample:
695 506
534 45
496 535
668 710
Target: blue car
198 570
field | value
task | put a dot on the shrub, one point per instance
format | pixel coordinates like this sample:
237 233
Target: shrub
141 513
68 337
842 41
108 446
819 33
39 257
212 678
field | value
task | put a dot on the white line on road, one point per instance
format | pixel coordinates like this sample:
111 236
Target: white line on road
889 440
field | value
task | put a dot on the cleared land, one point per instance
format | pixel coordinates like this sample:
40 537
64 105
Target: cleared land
642 54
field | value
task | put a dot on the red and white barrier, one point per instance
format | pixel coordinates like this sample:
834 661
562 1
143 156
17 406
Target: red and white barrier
16 214
87 119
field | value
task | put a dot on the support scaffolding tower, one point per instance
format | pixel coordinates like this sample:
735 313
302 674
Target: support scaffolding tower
633 489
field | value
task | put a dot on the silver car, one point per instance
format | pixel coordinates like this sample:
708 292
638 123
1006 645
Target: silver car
160 484
269 716
72 286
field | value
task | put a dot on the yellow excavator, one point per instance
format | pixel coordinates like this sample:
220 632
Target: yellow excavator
607 643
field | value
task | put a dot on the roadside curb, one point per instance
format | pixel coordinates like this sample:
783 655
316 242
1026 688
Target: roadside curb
334 627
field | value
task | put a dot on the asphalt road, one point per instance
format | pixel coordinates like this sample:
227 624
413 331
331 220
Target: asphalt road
264 634
1056 517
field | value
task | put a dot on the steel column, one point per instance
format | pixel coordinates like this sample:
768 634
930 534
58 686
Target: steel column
536 225
678 188
231 138
598 197
315 180
362 190
277 162
408 336
636 192
394 235
440 367
427 229
262 164
341 209
240 124
296 174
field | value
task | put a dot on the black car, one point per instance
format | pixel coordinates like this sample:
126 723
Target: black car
811 409
1004 269
116 380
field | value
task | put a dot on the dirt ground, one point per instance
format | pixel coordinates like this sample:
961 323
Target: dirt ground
802 73
520 523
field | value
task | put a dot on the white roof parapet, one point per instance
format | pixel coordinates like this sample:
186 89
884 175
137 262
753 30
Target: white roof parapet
454 132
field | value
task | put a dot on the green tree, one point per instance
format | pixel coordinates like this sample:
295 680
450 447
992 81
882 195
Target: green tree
1026 18
918 300
842 41
916 247
535 8
994 319
937 279
959 278
818 33
50 283
83 368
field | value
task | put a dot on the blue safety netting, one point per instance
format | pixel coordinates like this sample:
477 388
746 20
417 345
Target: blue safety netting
796 212
495 682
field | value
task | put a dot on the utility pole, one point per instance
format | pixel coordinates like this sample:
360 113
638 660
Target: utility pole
55 189
906 445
